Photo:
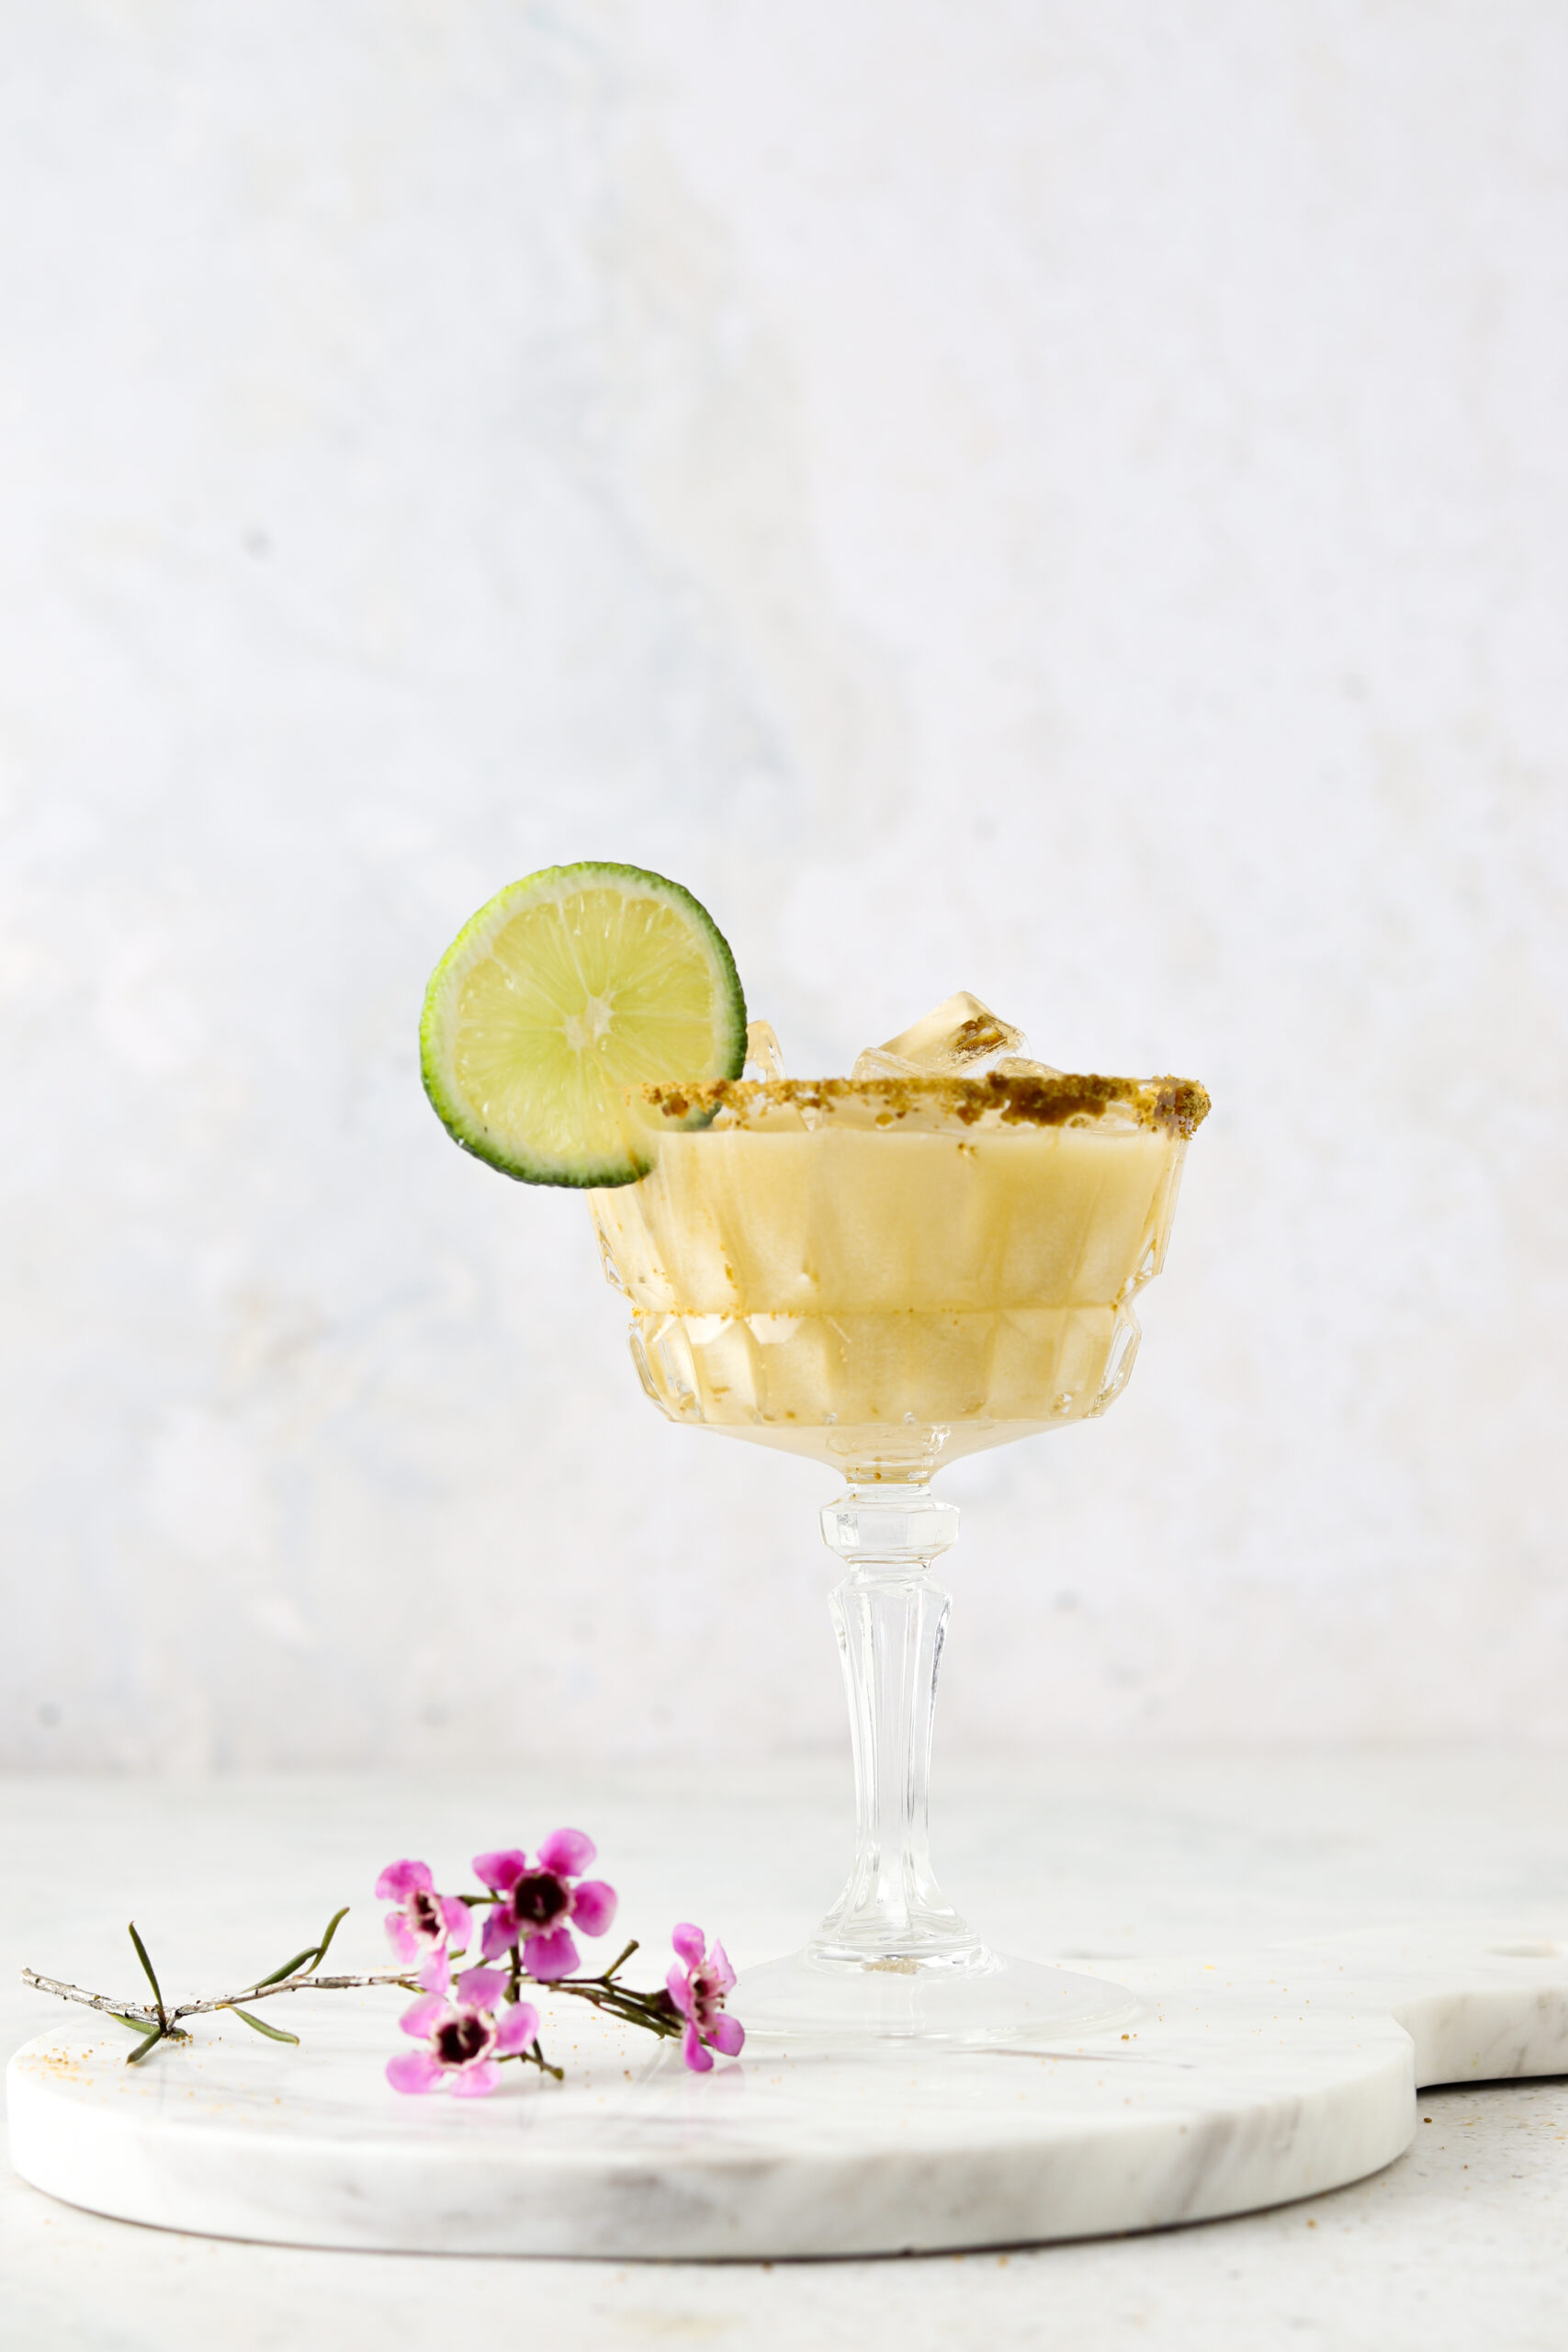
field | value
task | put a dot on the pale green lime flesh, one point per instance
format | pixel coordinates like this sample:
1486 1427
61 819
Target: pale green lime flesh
567 988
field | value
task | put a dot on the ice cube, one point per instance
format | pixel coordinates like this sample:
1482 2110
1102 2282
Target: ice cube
762 1054
963 1038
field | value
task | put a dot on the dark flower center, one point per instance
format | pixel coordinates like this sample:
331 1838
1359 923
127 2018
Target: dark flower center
425 1915
539 1899
462 2039
706 1998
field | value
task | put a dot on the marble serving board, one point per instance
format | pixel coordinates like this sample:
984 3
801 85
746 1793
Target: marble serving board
1236 2084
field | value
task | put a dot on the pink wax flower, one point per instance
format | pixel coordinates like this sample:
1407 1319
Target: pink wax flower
464 2039
424 1922
698 1990
539 1898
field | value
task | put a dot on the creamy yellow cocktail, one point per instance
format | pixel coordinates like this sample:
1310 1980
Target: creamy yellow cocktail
888 1274
885 1272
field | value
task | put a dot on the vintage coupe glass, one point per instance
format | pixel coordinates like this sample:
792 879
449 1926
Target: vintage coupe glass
886 1276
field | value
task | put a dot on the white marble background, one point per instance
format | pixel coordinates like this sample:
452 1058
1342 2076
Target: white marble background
1062 497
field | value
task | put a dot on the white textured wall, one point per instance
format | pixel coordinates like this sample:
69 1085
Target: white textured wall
1062 497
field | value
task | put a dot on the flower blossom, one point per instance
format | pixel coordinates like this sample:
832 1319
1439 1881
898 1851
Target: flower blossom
697 1990
424 1922
464 2039
538 1899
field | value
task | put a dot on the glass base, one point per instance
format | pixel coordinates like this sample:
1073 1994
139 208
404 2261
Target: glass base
988 2001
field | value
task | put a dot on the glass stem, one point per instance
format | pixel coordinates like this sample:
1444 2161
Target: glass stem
890 1614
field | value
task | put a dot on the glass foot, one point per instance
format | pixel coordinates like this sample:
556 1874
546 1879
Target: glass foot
990 2000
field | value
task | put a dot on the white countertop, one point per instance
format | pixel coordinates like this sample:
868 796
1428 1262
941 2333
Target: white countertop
1462 2241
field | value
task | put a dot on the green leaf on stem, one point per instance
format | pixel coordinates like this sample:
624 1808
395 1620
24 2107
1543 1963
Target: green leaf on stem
311 1957
143 2047
334 1924
288 1969
273 2032
141 1956
137 2025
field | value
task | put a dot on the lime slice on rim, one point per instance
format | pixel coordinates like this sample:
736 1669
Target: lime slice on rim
568 987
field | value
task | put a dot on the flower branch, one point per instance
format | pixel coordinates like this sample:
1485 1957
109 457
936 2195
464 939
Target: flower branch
471 2024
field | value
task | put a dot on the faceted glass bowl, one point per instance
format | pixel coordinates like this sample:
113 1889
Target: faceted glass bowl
888 1276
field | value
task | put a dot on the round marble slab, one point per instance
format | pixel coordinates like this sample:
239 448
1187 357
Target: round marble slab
1232 2084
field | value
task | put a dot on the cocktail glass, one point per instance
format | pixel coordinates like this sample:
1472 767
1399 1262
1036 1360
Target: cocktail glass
886 1276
